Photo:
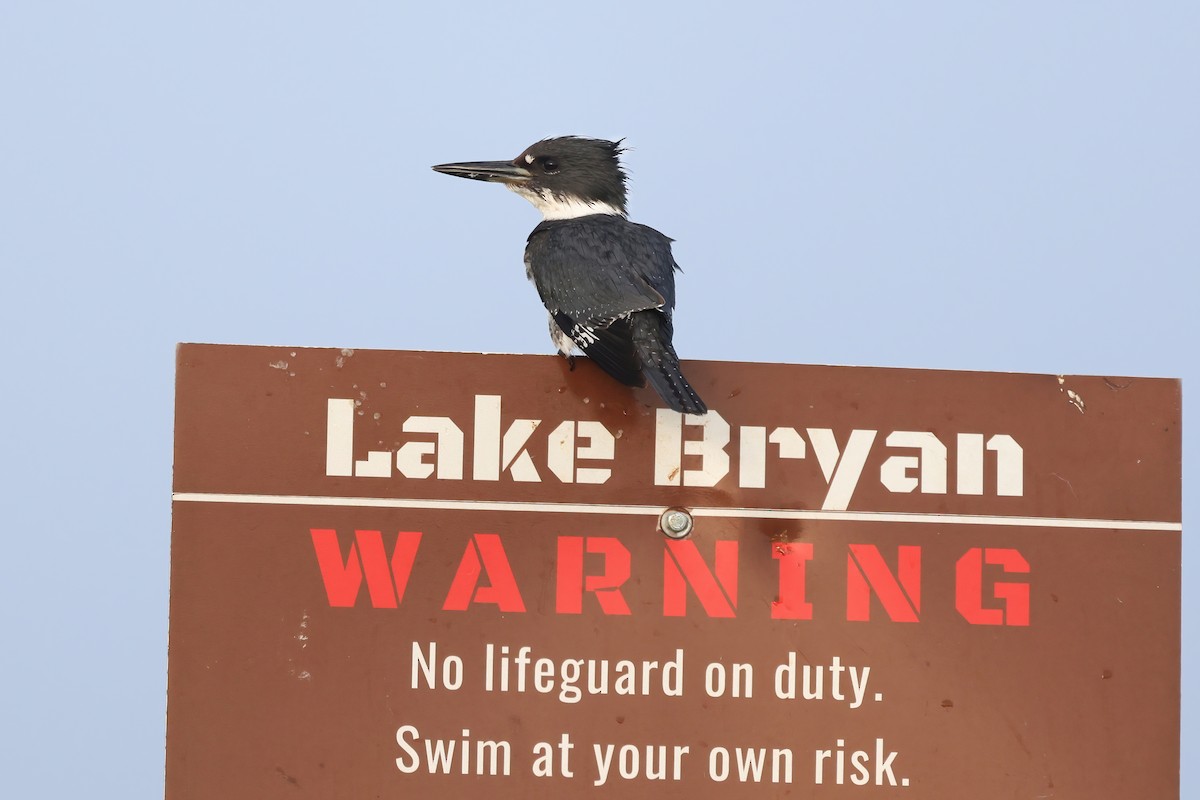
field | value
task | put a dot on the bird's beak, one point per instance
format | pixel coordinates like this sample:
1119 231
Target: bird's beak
496 171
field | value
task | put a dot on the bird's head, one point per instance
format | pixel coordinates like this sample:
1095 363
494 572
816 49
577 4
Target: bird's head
564 177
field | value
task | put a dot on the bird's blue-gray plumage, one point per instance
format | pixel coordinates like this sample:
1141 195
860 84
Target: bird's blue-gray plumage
608 283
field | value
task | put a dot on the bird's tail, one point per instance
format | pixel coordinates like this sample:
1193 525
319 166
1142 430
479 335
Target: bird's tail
652 342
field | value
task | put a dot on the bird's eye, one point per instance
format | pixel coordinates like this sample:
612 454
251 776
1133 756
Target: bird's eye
550 165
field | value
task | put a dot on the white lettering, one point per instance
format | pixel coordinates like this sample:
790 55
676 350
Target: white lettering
689 450
894 474
668 457
841 470
410 459
562 451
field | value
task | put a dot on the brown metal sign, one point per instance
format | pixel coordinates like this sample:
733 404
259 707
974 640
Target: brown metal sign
402 574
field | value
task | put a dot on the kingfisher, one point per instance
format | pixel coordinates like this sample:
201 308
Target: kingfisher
607 283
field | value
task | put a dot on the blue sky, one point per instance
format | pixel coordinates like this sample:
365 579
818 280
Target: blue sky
1005 187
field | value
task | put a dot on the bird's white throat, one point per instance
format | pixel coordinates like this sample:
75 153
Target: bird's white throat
561 206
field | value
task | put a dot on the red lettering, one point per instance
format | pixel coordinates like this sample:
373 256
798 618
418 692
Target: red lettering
606 586
793 557
343 577
484 551
969 587
683 566
485 576
866 571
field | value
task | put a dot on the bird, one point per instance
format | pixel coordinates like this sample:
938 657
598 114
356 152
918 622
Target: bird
608 284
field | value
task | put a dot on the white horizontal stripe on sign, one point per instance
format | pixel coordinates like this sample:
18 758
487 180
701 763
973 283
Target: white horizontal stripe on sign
654 511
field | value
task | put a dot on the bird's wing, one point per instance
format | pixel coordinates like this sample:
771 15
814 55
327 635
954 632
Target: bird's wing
610 346
600 267
592 273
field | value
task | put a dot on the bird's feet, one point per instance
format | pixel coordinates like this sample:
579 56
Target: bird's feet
570 363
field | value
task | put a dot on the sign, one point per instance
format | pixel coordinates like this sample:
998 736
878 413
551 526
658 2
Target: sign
407 574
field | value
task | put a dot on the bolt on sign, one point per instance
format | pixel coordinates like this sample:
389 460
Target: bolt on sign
407 574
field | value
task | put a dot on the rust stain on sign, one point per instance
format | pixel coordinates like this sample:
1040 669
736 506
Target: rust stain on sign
447 575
